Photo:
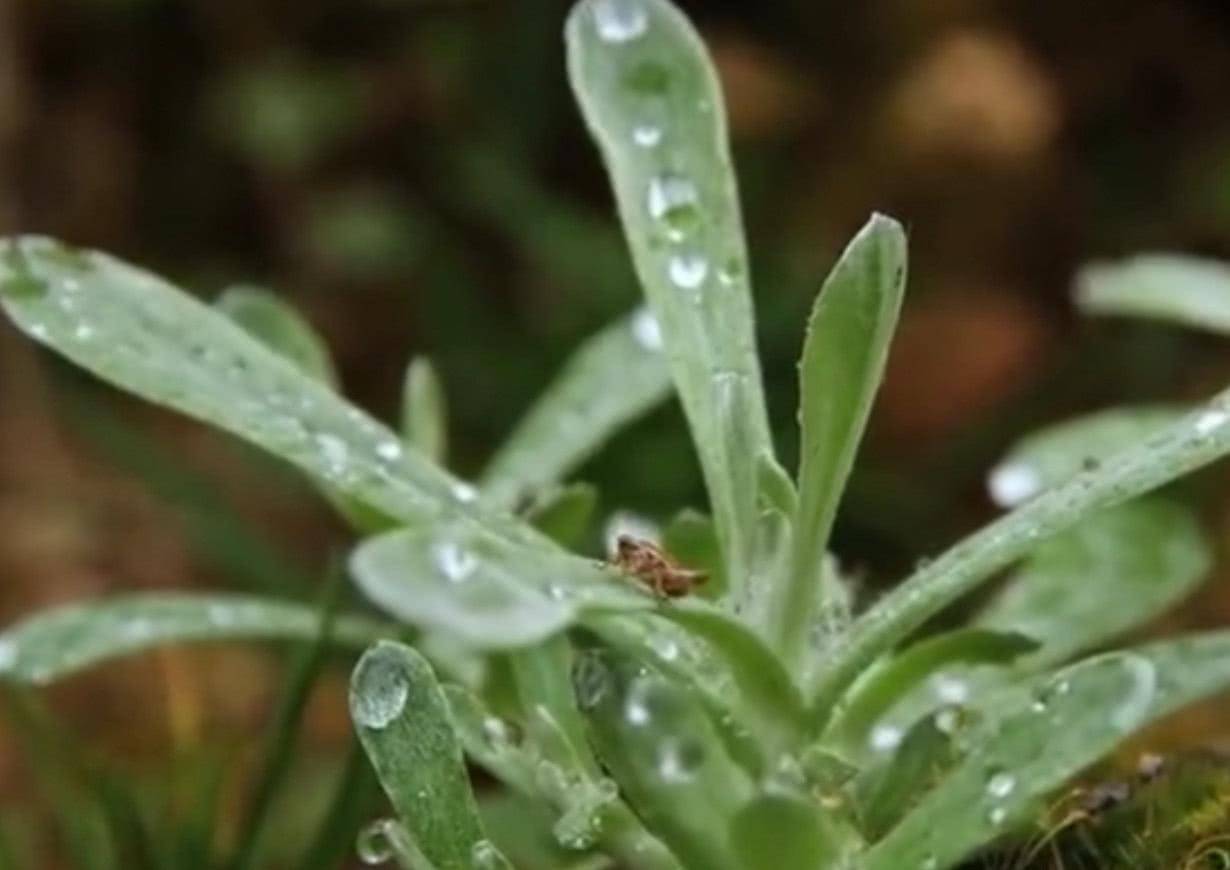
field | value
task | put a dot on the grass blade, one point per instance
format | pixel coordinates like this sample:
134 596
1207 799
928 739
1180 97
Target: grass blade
843 360
650 96
1198 439
424 411
614 377
63 640
1190 291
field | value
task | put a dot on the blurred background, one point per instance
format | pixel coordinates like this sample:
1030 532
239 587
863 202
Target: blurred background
413 175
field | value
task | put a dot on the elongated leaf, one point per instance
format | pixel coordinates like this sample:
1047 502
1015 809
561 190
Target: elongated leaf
1110 574
885 793
424 413
135 330
403 722
1196 440
564 514
840 371
614 377
882 687
651 99
1056 453
63 640
1188 290
280 327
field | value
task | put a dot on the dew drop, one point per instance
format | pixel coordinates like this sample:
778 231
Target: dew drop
83 332
389 450
379 688
674 200
334 451
647 135
646 330
688 271
636 705
950 689
620 20
464 492
948 720
1000 784
1210 421
375 843
485 856
453 562
1013 483
496 731
678 760
885 738
997 815
556 592
730 273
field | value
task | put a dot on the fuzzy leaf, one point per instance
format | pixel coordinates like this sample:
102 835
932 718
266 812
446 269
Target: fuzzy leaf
1187 290
651 99
59 642
613 378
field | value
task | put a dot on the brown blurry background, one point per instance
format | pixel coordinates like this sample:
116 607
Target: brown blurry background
413 175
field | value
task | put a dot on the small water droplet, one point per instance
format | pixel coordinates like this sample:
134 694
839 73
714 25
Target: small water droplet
1013 483
379 687
997 815
646 330
485 856
678 760
636 705
885 738
464 492
674 200
389 450
620 20
556 592
591 680
950 689
496 731
334 452
455 563
948 720
374 843
1210 421
647 135
688 271
83 332
1000 784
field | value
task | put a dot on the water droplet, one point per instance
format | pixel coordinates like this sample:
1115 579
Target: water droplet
997 815
1013 483
885 738
1000 784
730 273
379 687
688 271
665 647
334 452
636 706
389 450
556 592
485 856
1210 421
620 20
674 200
83 332
464 492
375 843
678 760
950 689
646 330
591 680
497 732
453 562
647 135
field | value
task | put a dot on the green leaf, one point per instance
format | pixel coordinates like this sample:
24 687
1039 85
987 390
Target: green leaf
276 324
882 687
1057 453
651 99
424 412
64 640
1198 439
1187 290
1110 574
135 330
613 378
403 722
843 361
886 792
780 831
692 540
565 513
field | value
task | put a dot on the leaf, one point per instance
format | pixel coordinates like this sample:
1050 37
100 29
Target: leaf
61 641
885 793
843 361
613 378
424 412
780 831
691 539
1198 439
403 722
651 99
276 324
1057 453
1187 290
138 332
1112 573
565 513
882 687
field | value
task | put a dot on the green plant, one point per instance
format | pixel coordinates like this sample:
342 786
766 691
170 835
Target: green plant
756 724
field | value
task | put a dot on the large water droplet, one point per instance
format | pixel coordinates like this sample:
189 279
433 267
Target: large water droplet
688 271
678 760
997 815
647 135
1013 483
485 856
674 200
646 330
379 688
591 680
83 332
637 709
1000 784
455 563
620 20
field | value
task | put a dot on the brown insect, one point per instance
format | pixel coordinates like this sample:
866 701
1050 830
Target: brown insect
645 561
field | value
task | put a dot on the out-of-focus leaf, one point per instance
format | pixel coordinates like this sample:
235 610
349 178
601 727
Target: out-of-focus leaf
63 640
1057 453
1112 573
403 722
692 540
565 513
885 792
1186 445
1188 290
614 377
139 332
277 325
780 831
840 370
651 98
424 412
882 687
